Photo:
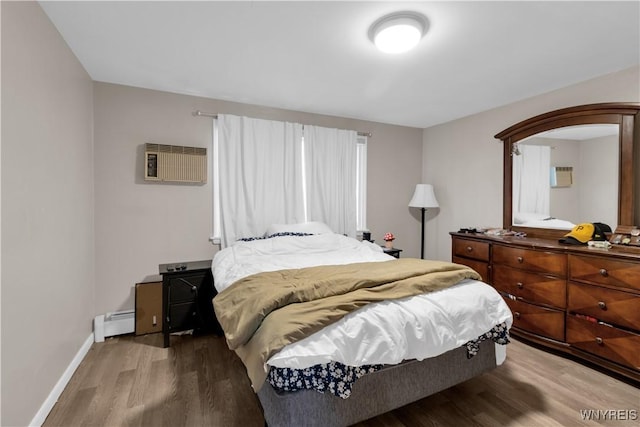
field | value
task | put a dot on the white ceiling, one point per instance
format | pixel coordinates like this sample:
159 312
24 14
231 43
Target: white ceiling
316 56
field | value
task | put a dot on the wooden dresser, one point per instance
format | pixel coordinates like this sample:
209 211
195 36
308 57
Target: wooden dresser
585 302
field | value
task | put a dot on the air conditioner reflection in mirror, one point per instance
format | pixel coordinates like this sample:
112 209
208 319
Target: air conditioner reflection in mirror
561 176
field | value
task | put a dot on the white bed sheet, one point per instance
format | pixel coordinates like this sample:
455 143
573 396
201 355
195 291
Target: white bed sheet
385 332
389 332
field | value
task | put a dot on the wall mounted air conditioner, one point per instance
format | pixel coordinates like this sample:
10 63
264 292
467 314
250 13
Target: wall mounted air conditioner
174 163
561 176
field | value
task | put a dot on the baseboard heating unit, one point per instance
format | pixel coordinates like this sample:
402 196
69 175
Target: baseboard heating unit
111 324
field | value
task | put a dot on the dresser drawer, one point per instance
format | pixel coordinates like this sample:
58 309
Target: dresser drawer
471 249
604 271
605 341
538 320
531 260
481 267
532 287
616 307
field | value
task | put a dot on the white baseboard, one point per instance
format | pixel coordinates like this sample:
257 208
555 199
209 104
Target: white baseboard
51 400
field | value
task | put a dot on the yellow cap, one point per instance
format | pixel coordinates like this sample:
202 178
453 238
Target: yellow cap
581 232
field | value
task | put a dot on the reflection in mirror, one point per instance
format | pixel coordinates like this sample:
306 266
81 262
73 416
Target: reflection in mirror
566 176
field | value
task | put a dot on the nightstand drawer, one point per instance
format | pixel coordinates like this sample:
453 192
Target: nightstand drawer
616 307
531 260
602 271
531 287
185 287
182 316
538 320
471 249
605 341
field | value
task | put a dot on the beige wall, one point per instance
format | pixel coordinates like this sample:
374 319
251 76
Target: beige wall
47 209
463 160
140 225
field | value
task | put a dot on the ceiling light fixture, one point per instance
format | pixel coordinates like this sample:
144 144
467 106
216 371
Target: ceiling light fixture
398 32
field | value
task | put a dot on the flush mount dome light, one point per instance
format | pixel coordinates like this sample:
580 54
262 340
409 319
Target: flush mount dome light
398 32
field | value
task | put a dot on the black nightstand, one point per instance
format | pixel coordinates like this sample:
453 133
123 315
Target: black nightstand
394 252
187 291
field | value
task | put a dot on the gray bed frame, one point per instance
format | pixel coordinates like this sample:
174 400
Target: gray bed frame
374 394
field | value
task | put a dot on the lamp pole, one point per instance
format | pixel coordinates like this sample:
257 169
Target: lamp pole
423 198
422 240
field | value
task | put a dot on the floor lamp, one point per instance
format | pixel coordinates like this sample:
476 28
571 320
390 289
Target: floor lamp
423 198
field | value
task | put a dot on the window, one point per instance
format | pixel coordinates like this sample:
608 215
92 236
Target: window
361 184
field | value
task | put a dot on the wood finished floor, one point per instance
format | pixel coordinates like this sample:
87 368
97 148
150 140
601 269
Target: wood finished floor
198 381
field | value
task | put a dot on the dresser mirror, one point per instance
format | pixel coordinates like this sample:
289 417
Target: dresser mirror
570 166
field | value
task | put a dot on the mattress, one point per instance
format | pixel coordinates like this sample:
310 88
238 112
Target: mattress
387 332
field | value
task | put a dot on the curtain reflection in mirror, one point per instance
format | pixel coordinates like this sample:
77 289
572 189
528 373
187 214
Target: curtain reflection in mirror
531 190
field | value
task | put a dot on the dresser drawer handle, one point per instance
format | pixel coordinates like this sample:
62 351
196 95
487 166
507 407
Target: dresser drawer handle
604 272
602 305
599 341
469 249
520 259
519 285
516 314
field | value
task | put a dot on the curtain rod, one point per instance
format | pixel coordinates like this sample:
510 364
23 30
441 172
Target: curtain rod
199 113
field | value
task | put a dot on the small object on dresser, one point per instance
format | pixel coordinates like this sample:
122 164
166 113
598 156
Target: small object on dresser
600 244
626 235
467 230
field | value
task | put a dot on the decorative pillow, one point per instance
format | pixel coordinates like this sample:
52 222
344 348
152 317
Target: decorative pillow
312 227
284 233
524 217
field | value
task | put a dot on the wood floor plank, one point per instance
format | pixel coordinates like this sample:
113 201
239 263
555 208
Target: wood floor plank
115 415
198 381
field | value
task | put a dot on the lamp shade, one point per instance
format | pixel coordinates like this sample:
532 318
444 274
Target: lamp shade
424 197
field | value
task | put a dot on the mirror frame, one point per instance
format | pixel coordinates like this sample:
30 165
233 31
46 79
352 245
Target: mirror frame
626 115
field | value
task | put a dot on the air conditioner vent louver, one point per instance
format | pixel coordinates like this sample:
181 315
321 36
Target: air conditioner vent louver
175 163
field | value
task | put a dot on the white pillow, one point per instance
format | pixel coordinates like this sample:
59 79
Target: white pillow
524 217
312 227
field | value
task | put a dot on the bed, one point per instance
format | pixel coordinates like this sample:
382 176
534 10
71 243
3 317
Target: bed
333 331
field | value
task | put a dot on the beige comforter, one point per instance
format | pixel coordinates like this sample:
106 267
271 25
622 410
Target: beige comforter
262 313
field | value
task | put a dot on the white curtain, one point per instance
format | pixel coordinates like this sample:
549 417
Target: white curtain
330 175
260 164
531 188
